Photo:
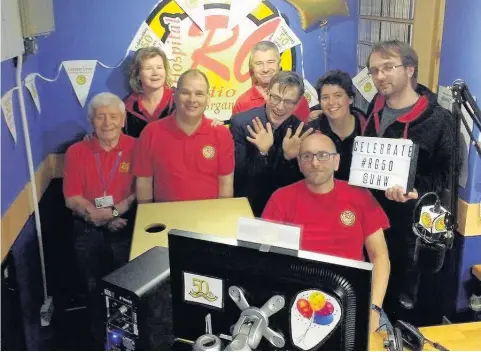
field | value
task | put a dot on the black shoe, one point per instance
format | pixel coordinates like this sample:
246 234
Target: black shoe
406 301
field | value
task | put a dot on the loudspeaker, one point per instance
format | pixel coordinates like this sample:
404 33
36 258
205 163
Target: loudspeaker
139 304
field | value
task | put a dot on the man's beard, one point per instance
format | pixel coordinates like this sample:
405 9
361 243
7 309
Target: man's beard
318 178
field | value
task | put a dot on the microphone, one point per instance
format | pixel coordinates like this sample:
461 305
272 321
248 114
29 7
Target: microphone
429 257
434 231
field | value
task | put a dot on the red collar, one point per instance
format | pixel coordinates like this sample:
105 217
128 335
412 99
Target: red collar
144 114
254 94
204 127
96 148
412 115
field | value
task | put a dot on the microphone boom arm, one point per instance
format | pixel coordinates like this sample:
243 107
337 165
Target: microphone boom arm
462 97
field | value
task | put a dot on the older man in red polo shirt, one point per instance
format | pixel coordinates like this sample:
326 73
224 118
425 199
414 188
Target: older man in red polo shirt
264 63
185 157
98 188
336 218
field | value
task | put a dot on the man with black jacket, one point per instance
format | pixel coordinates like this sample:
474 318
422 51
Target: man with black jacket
405 109
267 141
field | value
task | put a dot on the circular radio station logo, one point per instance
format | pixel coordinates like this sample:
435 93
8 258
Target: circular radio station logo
221 53
208 152
348 218
81 80
426 220
368 87
439 224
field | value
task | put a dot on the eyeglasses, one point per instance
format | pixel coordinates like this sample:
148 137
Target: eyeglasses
374 71
321 156
276 100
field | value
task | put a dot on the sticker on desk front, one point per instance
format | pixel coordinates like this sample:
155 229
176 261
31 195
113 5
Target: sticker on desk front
203 290
314 317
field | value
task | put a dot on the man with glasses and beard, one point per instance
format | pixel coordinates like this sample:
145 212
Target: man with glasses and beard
267 141
405 109
336 218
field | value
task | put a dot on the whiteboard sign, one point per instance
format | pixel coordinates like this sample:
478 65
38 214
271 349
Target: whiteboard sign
381 163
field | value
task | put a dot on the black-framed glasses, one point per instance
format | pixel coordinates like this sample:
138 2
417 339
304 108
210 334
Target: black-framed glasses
374 71
321 156
276 100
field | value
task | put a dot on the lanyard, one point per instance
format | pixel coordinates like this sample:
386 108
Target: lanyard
99 169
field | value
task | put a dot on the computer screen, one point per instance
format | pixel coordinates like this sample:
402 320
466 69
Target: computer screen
325 300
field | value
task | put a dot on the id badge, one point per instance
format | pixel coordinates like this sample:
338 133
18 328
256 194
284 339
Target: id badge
104 202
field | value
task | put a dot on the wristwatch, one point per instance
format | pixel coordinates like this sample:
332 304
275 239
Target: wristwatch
115 212
376 308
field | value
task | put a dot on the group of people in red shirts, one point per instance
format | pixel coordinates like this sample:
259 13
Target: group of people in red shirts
290 162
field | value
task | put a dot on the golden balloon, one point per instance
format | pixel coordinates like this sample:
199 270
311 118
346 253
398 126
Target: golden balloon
315 11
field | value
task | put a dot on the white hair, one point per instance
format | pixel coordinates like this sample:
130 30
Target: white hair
105 99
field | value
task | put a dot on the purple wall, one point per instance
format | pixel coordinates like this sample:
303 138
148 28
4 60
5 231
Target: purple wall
102 30
460 58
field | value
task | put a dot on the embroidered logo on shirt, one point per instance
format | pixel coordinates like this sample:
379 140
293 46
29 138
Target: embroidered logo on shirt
124 166
348 218
208 152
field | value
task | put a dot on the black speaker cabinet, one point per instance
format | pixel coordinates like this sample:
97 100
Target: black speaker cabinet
138 304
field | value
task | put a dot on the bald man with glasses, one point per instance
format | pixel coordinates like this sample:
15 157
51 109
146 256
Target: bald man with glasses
336 218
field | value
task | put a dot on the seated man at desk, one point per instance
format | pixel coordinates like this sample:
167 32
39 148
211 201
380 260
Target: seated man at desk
337 219
184 156
98 186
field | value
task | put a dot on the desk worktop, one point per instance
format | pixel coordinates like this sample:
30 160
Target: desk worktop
218 217
455 337
477 271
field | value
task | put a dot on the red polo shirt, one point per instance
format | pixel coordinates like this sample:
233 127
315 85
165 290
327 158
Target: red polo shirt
184 167
335 223
252 98
81 173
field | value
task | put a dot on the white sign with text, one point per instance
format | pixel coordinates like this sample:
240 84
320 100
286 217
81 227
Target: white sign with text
268 233
381 163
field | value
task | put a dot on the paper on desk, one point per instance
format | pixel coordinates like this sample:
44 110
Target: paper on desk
270 233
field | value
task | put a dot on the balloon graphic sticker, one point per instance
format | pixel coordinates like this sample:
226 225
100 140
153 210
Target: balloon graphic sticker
314 317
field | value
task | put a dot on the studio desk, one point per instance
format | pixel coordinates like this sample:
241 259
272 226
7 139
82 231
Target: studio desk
219 217
216 217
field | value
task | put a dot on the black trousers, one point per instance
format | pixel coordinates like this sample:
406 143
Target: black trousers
404 277
98 253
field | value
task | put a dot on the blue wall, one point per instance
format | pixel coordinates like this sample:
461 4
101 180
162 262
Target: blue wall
103 30
100 30
460 58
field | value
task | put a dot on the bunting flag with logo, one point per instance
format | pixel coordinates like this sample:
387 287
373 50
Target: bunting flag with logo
365 85
284 37
32 88
310 93
240 9
195 10
7 109
81 74
146 37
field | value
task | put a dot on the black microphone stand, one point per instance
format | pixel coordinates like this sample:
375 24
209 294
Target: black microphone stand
462 97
